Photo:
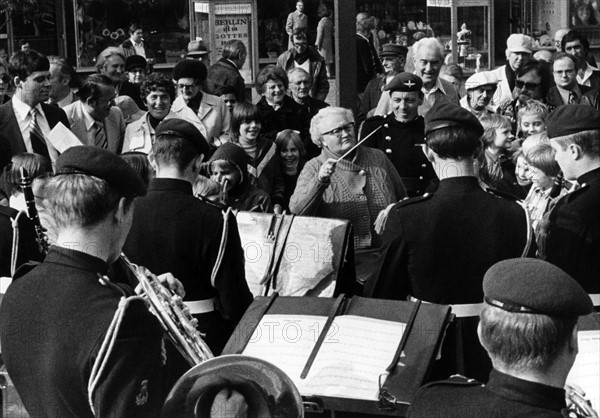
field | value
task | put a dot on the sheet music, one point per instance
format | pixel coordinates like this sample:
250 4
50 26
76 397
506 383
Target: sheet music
354 354
586 370
62 138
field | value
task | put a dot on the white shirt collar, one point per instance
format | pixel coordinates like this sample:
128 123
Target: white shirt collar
438 86
87 118
22 109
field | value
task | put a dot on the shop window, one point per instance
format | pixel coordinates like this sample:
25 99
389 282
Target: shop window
31 22
103 23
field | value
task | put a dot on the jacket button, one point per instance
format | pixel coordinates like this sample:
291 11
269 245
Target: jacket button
423 165
388 138
362 172
388 151
421 178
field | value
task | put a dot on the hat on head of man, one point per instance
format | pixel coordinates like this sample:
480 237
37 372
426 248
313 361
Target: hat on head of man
185 130
530 285
393 51
405 82
571 119
189 68
104 164
446 115
483 78
197 48
517 42
133 62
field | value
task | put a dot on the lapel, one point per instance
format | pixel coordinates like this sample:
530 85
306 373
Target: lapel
78 122
205 107
10 128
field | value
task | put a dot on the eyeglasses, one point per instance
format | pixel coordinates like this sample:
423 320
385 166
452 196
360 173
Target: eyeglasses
529 86
348 128
185 86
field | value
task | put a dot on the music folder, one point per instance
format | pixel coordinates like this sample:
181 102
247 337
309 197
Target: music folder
353 354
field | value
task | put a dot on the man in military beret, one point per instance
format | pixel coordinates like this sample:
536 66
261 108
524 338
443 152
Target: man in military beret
569 235
480 90
393 58
528 327
400 134
189 76
437 247
56 315
174 231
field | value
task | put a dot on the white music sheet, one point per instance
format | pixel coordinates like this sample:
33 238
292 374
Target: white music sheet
586 370
353 355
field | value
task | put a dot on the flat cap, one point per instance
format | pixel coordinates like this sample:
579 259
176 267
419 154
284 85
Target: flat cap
135 61
393 50
184 130
104 164
405 82
188 68
571 119
517 42
480 79
530 285
447 115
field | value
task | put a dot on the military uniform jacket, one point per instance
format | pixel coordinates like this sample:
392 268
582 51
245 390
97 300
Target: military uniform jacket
503 397
571 233
401 142
438 247
175 232
54 320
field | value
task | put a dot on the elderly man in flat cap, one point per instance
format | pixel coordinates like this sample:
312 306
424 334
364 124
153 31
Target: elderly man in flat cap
518 50
528 327
56 315
189 76
480 90
175 231
569 235
437 247
393 58
400 134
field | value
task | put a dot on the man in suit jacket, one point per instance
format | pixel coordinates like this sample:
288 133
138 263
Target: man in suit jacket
567 90
94 118
25 128
226 71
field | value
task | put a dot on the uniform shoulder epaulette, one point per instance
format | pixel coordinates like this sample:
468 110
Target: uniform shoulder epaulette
8 211
25 268
571 195
211 203
377 118
500 193
412 200
455 380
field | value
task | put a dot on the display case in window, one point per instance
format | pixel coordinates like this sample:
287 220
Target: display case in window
103 23
463 27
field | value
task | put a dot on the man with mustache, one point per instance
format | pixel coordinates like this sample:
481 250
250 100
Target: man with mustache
26 120
480 89
518 50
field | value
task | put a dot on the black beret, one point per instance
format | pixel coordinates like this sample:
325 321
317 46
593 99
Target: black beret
184 130
104 164
530 285
571 119
405 82
135 61
189 68
446 114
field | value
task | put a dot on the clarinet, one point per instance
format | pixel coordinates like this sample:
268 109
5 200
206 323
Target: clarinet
32 213
557 186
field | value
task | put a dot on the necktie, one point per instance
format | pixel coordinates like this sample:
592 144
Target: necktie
38 141
100 136
572 98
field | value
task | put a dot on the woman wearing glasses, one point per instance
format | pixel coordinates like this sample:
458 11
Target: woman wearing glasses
354 184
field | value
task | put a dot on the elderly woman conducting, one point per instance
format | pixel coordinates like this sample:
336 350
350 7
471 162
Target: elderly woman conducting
356 187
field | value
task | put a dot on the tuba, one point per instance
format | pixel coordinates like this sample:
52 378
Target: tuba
173 315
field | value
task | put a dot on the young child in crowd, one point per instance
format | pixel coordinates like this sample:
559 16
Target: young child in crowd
227 94
140 164
264 170
37 167
497 169
291 156
229 168
521 167
546 183
531 119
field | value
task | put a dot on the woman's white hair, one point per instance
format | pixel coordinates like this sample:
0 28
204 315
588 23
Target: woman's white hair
428 43
325 113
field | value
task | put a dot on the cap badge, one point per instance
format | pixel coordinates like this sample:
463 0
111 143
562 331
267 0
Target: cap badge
409 83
